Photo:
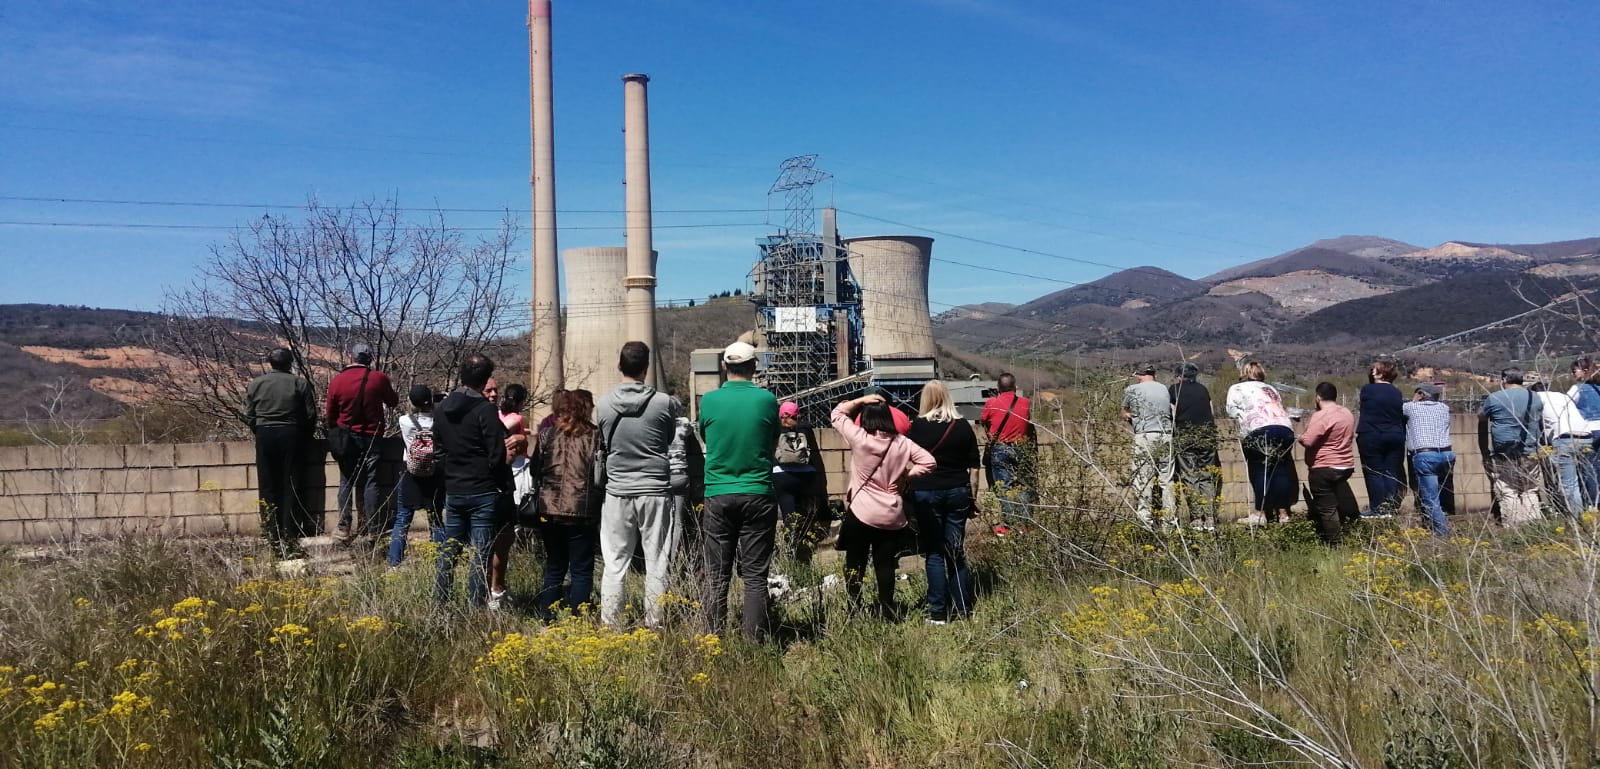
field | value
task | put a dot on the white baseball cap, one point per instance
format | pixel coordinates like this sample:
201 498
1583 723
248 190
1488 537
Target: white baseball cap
738 352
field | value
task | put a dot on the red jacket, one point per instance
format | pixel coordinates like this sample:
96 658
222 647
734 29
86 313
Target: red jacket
342 394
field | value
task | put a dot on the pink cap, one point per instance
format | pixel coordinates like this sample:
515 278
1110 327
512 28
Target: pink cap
788 409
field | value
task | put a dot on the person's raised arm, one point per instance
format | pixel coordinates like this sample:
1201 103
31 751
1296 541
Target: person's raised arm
842 417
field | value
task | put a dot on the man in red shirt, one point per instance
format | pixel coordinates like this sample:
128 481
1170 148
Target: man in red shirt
1006 418
357 397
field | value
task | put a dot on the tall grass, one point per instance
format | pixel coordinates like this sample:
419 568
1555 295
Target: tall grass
1235 650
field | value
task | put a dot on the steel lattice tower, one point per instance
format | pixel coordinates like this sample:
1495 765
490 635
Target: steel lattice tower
808 307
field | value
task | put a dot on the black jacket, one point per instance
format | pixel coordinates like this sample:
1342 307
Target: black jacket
469 442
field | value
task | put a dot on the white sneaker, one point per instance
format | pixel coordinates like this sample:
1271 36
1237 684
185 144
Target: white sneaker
1254 519
496 600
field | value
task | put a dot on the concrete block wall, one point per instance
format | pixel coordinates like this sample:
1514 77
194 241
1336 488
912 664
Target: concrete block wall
52 493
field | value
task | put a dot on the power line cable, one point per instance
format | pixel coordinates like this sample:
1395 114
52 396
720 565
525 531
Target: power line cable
303 206
228 227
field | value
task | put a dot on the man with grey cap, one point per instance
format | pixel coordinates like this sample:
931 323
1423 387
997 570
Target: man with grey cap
1428 446
636 425
1147 407
1194 441
357 397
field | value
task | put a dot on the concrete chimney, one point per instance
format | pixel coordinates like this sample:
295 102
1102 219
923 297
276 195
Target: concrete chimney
640 281
546 373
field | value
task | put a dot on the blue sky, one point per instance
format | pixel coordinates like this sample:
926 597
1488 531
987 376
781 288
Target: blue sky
1189 136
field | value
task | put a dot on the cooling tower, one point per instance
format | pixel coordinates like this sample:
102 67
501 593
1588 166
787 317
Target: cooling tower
892 271
596 325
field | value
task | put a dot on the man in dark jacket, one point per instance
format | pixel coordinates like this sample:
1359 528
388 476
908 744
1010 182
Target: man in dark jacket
470 450
281 410
357 396
1195 443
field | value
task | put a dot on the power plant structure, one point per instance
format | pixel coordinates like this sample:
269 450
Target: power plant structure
596 327
611 290
834 315
546 370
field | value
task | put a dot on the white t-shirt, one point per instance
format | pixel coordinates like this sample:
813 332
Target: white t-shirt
1561 416
409 428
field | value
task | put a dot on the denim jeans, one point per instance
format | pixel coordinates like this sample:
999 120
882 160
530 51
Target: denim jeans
473 520
1431 468
410 495
942 520
1005 472
1271 468
359 470
1383 468
1589 474
568 552
1565 466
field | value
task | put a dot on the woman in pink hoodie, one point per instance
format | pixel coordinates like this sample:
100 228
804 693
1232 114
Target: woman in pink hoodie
880 459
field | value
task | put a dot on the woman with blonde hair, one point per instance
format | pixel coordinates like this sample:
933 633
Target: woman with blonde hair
1267 437
943 501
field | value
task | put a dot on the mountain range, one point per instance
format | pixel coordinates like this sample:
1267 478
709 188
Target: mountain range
1317 305
1357 291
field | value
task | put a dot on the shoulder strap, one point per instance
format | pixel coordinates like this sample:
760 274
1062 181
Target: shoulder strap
611 433
416 423
882 458
1527 415
942 438
1007 417
361 394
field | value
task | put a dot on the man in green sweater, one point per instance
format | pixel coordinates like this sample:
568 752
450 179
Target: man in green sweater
739 423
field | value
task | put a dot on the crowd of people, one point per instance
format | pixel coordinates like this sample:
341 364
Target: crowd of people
1539 448
627 480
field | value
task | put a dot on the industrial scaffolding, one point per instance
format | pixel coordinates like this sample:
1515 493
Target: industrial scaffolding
808 305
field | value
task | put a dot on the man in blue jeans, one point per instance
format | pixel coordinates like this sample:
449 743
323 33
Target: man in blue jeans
470 449
1428 443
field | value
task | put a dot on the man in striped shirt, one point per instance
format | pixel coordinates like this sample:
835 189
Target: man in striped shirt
1428 444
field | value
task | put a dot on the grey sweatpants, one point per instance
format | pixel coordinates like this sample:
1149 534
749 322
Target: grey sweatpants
625 523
